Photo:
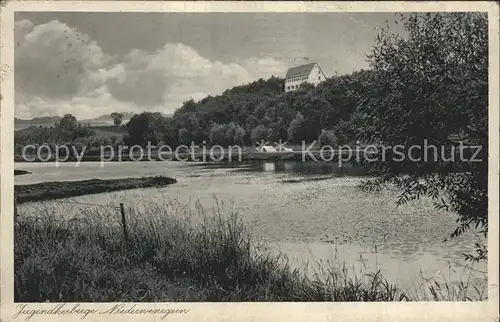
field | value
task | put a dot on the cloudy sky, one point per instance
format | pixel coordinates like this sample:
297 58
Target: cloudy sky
90 64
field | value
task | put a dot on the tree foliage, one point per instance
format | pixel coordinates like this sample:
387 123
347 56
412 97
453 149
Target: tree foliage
261 110
117 118
433 86
297 128
142 128
68 123
327 137
68 130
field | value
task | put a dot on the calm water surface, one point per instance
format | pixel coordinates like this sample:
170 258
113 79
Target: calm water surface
313 213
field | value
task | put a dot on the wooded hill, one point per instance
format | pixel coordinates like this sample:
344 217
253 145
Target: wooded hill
260 111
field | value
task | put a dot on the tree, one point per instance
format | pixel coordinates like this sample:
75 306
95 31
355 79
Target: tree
217 134
433 85
251 123
117 118
68 122
239 135
296 128
259 133
165 131
327 137
184 137
344 131
141 129
230 132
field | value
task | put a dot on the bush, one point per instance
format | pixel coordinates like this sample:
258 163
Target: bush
438 75
327 137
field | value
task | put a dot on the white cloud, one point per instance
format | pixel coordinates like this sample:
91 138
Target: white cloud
55 60
172 75
60 70
21 28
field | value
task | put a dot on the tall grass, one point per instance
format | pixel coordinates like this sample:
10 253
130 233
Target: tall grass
173 254
207 257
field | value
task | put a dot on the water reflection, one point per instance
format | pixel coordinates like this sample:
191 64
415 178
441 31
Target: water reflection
269 167
292 167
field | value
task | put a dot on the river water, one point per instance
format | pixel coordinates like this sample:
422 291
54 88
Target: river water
313 213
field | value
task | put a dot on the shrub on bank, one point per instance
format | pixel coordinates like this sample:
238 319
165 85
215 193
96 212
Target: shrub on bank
65 189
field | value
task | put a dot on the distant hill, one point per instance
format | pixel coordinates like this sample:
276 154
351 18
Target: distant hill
50 120
107 117
38 120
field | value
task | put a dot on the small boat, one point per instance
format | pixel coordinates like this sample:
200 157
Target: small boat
266 148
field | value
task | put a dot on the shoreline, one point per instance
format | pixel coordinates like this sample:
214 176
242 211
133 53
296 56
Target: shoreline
66 189
94 155
18 172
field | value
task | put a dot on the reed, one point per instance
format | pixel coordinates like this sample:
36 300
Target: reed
174 254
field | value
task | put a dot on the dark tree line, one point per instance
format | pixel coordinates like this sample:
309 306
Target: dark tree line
259 111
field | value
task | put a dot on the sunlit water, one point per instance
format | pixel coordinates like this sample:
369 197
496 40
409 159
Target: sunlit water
316 214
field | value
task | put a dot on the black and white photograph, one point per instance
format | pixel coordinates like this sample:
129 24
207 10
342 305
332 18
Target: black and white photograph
251 157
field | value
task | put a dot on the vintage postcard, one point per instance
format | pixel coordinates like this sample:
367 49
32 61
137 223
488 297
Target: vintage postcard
249 161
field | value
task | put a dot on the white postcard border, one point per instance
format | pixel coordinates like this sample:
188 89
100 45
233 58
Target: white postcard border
418 311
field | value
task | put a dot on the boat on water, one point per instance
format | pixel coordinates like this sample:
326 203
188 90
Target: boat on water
266 148
269 148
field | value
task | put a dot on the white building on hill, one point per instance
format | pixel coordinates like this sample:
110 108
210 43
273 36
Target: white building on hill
309 73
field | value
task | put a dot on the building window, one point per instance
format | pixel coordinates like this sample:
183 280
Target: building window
319 77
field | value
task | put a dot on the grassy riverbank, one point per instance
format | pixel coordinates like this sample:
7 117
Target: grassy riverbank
175 255
65 189
167 259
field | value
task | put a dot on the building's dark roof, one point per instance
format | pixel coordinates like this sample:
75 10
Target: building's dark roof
303 70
